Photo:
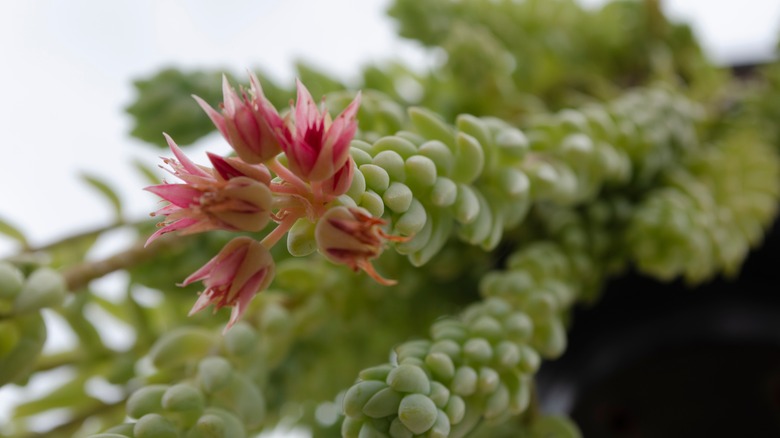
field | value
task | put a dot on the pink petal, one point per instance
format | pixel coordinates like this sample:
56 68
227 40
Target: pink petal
239 307
343 128
180 195
254 85
229 96
188 165
340 182
245 296
216 118
246 126
167 210
306 113
225 170
203 301
224 271
201 273
305 157
350 112
178 225
223 267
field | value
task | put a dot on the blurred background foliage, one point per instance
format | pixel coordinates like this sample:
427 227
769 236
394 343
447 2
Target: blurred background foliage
677 178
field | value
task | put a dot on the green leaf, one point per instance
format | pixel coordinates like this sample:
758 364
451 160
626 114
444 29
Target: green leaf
67 394
13 232
107 191
318 82
148 172
164 104
71 250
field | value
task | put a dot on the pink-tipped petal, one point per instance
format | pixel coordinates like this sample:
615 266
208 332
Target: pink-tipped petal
340 182
239 308
229 168
180 195
201 273
186 163
350 112
203 301
178 225
224 170
216 117
254 85
306 113
227 267
229 96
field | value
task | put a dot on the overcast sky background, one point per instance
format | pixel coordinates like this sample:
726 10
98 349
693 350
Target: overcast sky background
66 70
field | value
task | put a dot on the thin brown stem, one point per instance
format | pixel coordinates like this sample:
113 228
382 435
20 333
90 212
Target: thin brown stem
78 276
78 236
82 235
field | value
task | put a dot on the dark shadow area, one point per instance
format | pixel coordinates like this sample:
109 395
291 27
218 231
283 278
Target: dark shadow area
658 359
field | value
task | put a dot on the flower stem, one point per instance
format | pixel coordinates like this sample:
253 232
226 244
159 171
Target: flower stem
316 188
78 276
273 237
285 174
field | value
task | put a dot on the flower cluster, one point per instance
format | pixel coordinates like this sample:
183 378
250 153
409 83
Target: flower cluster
247 192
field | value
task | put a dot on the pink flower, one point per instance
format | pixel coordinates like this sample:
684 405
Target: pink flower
351 236
240 271
249 123
235 196
317 147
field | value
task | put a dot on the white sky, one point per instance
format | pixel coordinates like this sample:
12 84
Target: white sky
67 68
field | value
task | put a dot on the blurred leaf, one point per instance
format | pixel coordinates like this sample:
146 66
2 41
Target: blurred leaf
71 250
13 232
89 337
165 104
318 82
107 191
148 173
66 395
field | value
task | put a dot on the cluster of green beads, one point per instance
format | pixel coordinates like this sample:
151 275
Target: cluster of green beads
478 366
223 376
485 359
480 177
709 213
500 52
22 330
520 321
424 183
628 141
212 387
